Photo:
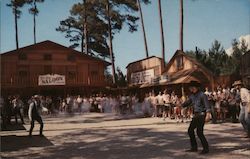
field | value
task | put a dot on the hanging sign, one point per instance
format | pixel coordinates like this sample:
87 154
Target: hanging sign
142 77
48 80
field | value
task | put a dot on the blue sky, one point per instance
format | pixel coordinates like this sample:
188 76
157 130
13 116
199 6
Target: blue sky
204 21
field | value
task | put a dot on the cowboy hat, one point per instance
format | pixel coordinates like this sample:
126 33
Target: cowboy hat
36 96
194 84
236 83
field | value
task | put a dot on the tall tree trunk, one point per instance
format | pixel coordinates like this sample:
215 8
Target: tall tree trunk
82 43
110 43
143 28
16 28
34 21
181 25
85 28
162 34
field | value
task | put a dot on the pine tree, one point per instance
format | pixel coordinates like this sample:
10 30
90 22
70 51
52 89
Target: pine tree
103 18
34 11
16 5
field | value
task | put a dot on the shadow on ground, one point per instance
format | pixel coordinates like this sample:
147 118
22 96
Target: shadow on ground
15 143
123 142
137 143
13 127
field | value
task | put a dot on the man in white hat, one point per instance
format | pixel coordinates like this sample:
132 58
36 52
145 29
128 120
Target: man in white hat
34 115
244 116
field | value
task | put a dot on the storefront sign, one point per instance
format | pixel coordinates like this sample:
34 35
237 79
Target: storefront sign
45 80
142 77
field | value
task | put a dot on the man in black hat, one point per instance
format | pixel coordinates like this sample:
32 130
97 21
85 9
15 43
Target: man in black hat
34 115
202 113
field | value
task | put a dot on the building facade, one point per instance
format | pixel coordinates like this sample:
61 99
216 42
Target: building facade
144 71
182 69
50 68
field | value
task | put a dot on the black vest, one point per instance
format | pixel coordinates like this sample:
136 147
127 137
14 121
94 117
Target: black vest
35 109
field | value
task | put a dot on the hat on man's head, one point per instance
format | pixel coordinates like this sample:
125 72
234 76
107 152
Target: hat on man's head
236 83
36 96
194 84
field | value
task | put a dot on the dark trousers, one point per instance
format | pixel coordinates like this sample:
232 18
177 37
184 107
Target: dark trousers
233 113
32 124
159 110
213 113
197 123
123 108
17 111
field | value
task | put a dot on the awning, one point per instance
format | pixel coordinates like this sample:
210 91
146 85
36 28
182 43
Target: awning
180 77
184 79
148 85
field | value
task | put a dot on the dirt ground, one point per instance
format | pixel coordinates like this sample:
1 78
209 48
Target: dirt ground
106 136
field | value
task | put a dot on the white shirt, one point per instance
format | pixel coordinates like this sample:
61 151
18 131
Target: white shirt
79 100
160 99
123 100
244 95
166 98
154 100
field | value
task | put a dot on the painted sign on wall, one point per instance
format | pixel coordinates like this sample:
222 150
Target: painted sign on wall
48 80
142 77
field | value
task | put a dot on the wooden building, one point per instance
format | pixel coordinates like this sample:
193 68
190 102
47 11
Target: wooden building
50 68
179 71
182 69
144 71
245 69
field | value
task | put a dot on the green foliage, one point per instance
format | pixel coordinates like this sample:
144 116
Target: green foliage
33 10
216 59
122 12
16 5
121 80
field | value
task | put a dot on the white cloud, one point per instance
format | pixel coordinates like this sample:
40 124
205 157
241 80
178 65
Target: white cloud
246 38
229 51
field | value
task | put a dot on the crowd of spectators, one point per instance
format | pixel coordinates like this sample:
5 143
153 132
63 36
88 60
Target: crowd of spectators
225 104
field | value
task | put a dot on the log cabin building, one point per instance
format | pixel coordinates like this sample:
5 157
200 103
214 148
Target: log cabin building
178 72
51 69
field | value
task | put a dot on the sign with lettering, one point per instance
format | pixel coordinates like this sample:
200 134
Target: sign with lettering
142 77
48 80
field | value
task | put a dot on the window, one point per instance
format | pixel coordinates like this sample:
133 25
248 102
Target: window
23 73
71 57
93 69
72 75
23 70
47 69
179 62
22 56
94 73
47 57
